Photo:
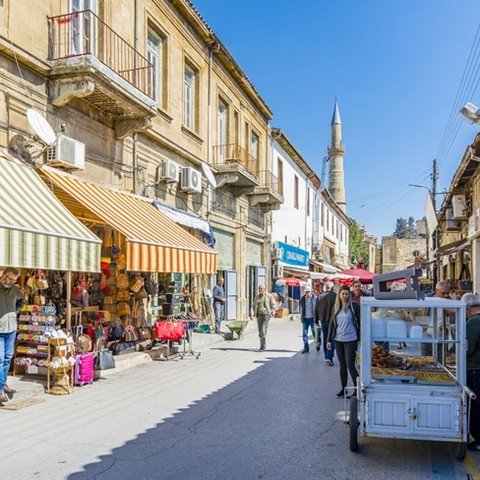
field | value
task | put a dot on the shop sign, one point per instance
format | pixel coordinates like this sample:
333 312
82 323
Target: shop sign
294 256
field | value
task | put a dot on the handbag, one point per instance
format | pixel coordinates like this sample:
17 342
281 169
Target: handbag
122 281
144 334
104 360
137 284
123 347
172 331
141 294
123 309
130 334
123 296
150 286
84 343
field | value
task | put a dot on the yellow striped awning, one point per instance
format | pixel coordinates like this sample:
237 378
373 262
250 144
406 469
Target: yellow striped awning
36 230
155 243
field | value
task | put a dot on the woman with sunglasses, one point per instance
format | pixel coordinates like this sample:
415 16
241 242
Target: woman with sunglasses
344 330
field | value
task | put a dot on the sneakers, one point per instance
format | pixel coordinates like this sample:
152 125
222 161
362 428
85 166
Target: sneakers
305 350
9 391
3 396
318 348
340 394
329 363
354 394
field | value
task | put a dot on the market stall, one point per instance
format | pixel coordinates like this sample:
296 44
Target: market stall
419 391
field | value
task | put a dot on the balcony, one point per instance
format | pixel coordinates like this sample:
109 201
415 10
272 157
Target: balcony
235 167
93 63
267 195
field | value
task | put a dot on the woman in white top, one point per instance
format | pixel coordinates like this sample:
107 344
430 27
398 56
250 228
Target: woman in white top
344 330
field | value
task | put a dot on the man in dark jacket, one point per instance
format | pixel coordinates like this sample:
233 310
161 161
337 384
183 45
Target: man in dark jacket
473 365
323 314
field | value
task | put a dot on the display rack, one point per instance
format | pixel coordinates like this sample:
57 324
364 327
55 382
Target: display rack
31 345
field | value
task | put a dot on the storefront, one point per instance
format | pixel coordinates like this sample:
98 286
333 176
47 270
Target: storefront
42 239
290 261
225 247
256 273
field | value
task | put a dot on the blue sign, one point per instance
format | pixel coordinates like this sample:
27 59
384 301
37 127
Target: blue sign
294 256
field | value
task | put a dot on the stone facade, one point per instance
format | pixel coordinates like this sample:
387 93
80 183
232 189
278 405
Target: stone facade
180 96
397 253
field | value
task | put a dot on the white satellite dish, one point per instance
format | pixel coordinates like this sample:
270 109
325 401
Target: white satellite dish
41 127
209 174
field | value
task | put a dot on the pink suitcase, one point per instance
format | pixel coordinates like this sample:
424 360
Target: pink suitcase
84 369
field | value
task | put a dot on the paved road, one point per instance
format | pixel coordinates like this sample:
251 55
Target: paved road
234 414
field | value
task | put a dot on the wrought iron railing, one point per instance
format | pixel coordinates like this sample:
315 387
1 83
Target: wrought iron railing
224 203
268 179
256 217
234 153
83 33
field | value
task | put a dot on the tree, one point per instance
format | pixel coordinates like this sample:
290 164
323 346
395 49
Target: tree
405 228
358 247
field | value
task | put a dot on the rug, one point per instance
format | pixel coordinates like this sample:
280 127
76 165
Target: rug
18 404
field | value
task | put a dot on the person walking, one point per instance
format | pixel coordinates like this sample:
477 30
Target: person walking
357 292
11 301
308 307
263 308
219 301
473 365
344 330
324 310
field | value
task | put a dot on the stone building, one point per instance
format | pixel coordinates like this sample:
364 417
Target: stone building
397 253
154 96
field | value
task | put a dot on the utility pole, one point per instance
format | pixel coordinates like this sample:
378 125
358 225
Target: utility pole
435 233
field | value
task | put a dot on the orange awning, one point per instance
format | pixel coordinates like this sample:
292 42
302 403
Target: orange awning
154 242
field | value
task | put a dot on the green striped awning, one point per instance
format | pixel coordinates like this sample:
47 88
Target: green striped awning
36 230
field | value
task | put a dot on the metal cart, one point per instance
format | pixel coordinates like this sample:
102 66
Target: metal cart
412 382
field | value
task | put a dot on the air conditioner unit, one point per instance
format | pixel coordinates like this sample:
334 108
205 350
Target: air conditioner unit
276 253
168 171
67 153
451 223
277 271
191 180
459 206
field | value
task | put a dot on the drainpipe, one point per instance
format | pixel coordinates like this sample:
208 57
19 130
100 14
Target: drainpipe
306 211
136 30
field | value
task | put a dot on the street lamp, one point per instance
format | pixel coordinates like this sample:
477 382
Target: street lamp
470 113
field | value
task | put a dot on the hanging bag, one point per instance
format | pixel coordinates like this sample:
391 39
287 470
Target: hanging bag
172 331
122 281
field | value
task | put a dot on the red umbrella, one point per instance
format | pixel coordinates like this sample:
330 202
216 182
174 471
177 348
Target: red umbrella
363 275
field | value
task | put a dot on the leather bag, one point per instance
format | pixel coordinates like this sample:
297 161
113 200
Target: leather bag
172 331
122 281
104 360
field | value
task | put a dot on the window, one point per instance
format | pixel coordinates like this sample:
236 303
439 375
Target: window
190 98
222 127
155 77
236 127
308 202
322 215
295 192
280 176
328 221
254 145
247 135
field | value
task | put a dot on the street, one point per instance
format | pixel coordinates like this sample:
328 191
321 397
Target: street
235 413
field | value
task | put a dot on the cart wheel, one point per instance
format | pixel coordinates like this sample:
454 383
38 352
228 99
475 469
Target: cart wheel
460 450
353 424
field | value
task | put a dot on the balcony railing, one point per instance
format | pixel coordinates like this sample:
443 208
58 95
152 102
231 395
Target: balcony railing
234 153
268 179
83 33
256 217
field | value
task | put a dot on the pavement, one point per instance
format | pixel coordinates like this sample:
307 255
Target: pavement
234 413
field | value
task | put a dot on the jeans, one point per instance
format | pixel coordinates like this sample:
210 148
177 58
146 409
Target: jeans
219 309
262 322
328 353
346 353
473 382
307 322
7 342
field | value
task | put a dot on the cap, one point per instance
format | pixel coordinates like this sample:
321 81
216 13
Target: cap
308 288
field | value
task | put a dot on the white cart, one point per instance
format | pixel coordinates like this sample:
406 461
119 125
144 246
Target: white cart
412 373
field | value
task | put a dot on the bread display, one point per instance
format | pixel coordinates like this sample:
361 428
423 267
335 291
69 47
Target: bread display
391 372
437 377
383 358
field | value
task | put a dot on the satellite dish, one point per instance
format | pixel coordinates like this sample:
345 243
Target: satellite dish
209 174
41 127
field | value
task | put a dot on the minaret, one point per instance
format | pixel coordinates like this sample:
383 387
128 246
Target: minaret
336 151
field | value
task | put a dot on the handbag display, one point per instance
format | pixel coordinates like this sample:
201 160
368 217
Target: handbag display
172 331
137 284
123 309
104 360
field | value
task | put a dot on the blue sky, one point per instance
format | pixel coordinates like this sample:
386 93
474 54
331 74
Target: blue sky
395 66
